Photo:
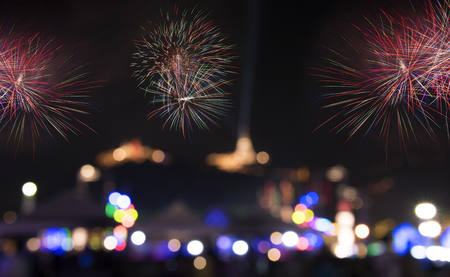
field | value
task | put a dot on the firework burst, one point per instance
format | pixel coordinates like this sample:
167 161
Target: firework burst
181 42
183 62
403 85
37 97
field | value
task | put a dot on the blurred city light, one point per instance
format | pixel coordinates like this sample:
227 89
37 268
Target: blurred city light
224 242
80 238
138 238
274 254
123 201
276 238
336 173
200 263
240 247
263 246
113 198
88 173
425 211
262 157
33 244
290 239
29 189
9 217
362 231
195 247
405 236
430 229
418 252
110 242
174 245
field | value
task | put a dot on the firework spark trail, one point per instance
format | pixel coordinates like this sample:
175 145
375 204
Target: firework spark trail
37 98
194 97
405 83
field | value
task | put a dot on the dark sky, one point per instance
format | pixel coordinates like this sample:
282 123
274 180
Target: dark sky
290 40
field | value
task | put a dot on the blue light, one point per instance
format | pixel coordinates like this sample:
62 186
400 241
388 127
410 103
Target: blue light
445 238
405 236
113 197
314 240
216 218
314 197
224 243
305 200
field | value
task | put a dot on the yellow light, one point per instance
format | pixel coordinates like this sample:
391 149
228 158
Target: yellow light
362 231
200 263
298 217
309 215
133 213
118 215
274 254
276 238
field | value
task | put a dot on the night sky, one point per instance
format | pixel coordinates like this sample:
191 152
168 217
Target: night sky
284 112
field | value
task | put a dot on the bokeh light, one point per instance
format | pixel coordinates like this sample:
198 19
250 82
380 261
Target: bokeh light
262 157
88 173
240 247
123 201
195 247
263 246
174 245
110 242
418 252
274 254
33 244
430 229
336 173
362 231
29 189
290 238
276 238
113 198
119 154
425 211
302 243
158 156
138 238
200 263
80 238
404 237
298 217
9 217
